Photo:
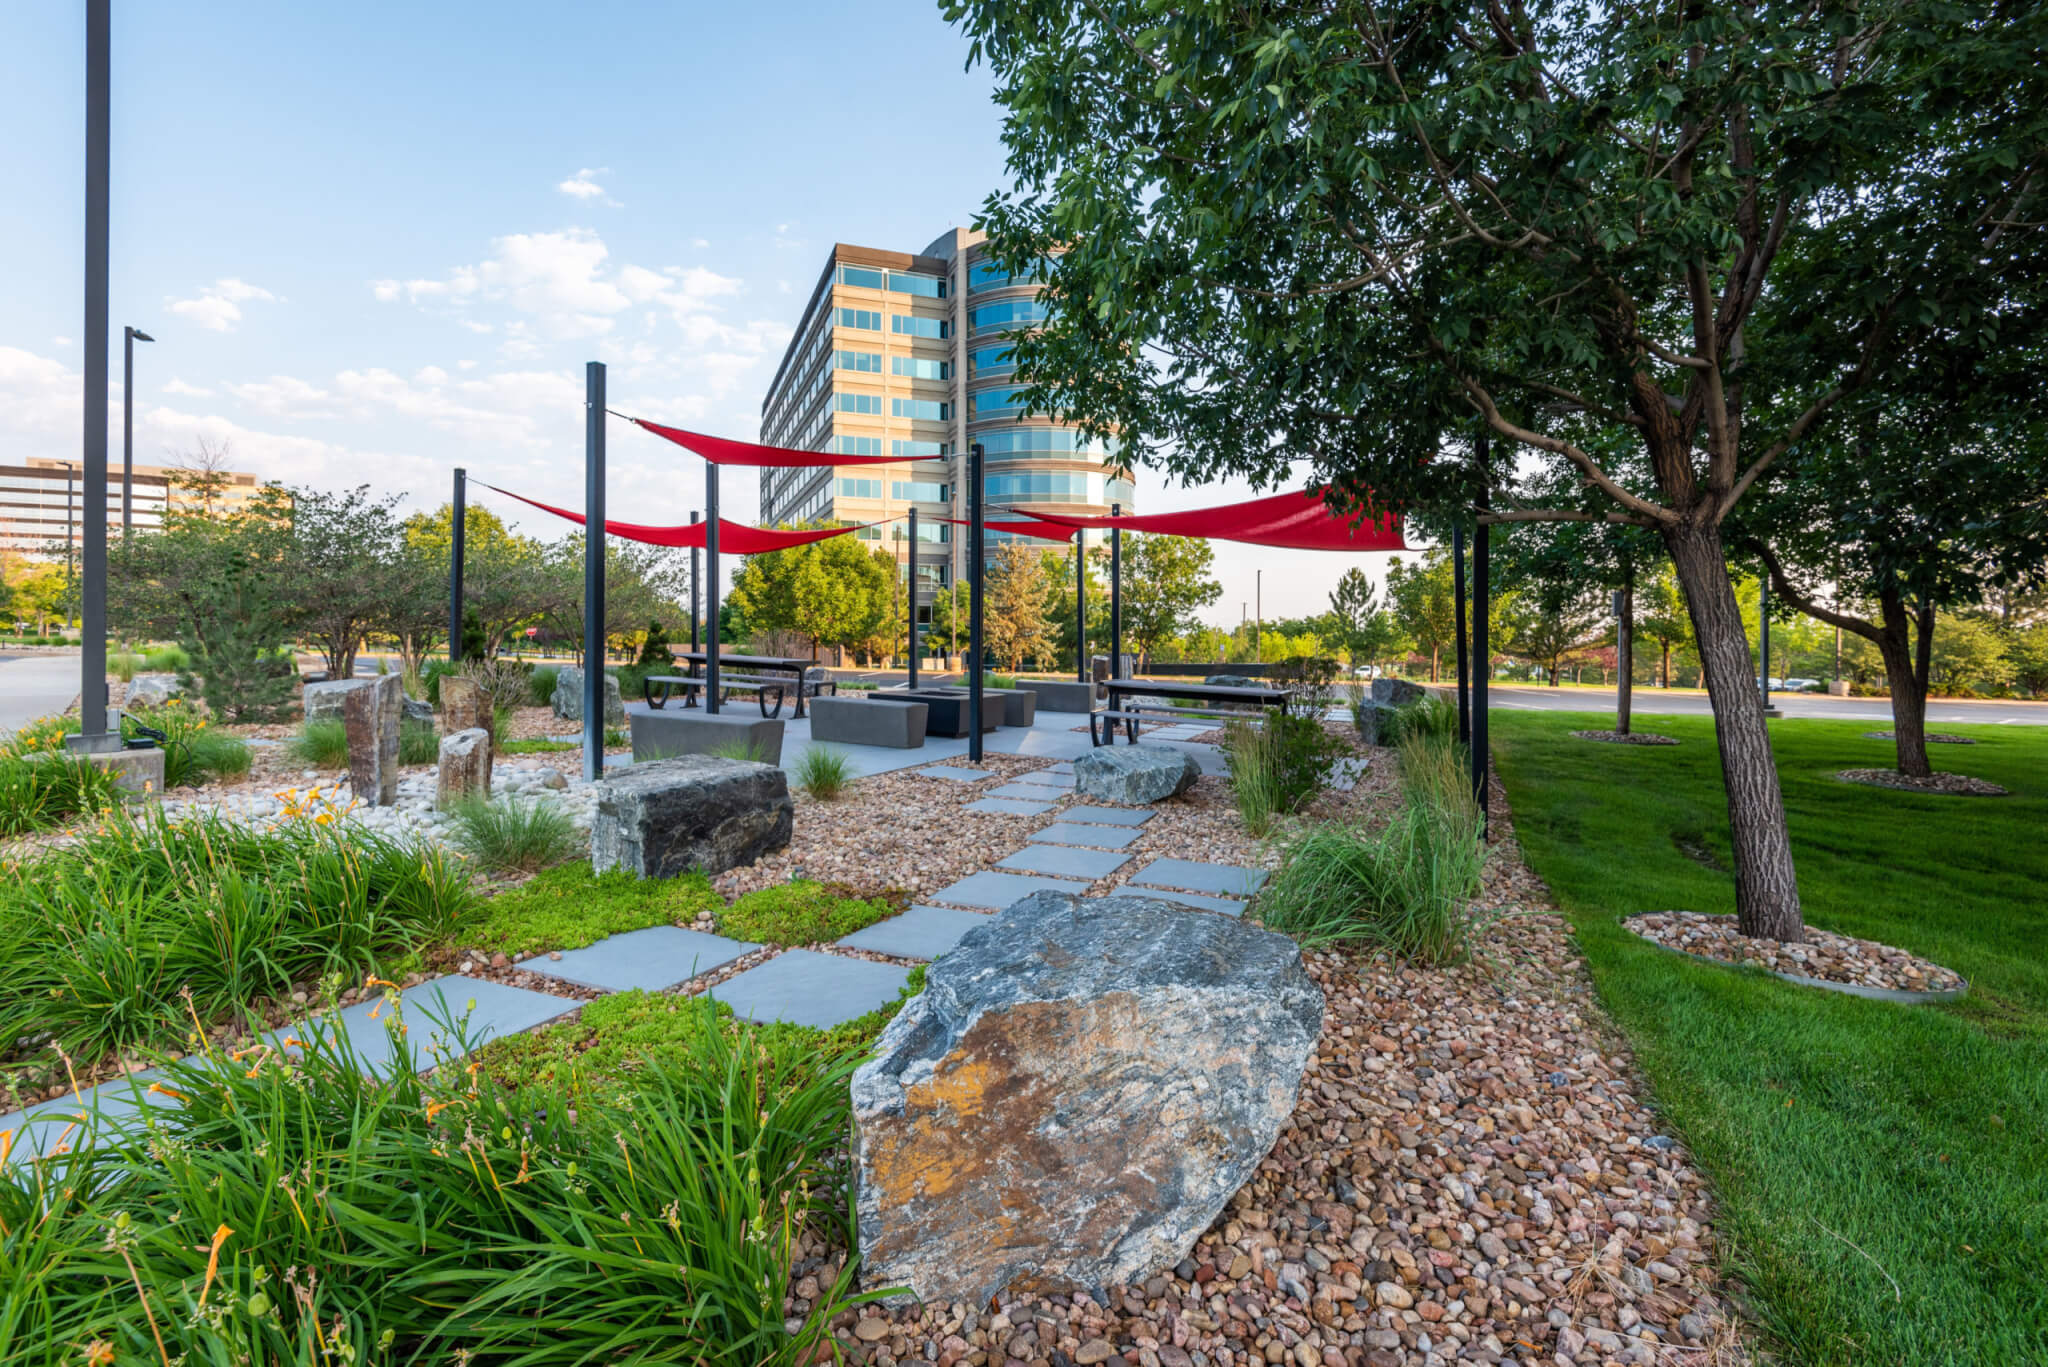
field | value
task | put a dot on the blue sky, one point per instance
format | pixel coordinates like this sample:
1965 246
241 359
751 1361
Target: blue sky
376 242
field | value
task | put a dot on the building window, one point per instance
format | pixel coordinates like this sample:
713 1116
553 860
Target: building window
931 410
860 488
857 446
987 275
996 403
926 286
1028 441
1005 313
912 326
868 534
990 358
859 403
867 320
919 490
918 368
859 276
919 450
943 532
869 361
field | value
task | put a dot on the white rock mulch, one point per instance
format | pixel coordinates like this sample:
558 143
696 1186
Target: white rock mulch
1940 785
1824 955
413 815
1632 738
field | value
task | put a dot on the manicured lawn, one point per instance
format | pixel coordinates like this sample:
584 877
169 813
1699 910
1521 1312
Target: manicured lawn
1883 1169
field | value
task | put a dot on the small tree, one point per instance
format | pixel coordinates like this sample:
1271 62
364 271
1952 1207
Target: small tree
1354 614
1549 625
1424 604
1166 581
1013 622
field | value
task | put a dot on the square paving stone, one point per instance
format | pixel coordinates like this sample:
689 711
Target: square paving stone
1009 806
653 959
956 773
805 987
1108 816
1045 778
1228 906
1029 792
1098 837
1062 862
919 933
998 890
432 1011
1227 879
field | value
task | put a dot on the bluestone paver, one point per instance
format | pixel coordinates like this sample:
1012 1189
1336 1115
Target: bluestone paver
1046 778
957 773
1009 806
1028 792
1227 905
1108 816
1062 861
1096 837
806 987
919 933
1225 879
434 1009
653 959
998 890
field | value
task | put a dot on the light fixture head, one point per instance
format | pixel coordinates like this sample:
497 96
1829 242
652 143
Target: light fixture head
139 335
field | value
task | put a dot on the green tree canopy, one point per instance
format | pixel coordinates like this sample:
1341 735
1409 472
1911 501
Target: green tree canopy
1166 581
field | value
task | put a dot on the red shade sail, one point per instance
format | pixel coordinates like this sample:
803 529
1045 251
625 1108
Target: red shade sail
721 451
1036 529
734 538
1298 521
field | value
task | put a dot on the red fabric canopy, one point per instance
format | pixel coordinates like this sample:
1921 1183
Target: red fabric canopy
721 451
734 538
1037 529
1298 521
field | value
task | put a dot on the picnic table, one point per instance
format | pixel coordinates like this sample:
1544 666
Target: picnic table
1225 701
765 674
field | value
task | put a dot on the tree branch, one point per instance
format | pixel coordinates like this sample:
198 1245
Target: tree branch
1763 462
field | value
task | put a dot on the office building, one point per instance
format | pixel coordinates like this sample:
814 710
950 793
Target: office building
42 501
905 355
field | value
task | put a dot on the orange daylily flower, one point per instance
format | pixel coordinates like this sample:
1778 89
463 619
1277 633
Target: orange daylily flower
220 1236
158 1089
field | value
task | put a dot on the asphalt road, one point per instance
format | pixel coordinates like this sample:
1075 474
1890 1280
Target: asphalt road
1651 701
34 686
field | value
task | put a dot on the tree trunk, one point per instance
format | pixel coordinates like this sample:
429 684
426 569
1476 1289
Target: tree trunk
1766 884
1667 663
1625 657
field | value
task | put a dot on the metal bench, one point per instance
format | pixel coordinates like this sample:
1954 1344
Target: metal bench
690 686
1227 704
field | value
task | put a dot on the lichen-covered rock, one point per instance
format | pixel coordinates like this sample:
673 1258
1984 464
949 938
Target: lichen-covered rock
323 699
1396 692
1134 774
369 715
153 690
664 818
463 704
1080 1088
465 767
568 696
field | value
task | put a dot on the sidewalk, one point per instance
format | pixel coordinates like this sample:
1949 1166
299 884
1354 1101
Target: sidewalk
34 686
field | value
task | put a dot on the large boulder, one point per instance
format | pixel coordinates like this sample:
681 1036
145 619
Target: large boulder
153 690
1135 774
323 700
568 696
1396 692
465 767
369 715
694 812
1082 1085
1368 716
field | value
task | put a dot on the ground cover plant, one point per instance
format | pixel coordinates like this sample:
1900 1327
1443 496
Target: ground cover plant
1883 1169
111 944
537 747
571 907
801 912
194 751
301 1212
514 835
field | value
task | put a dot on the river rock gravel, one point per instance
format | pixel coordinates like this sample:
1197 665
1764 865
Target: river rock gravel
1939 784
1824 955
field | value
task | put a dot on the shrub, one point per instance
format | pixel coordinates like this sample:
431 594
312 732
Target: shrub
655 655
514 835
570 907
193 751
417 743
801 912
823 771
504 682
1313 679
1433 715
322 743
101 943
1278 764
540 685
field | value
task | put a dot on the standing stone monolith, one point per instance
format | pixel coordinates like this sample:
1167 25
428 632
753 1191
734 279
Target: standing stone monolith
369 716
465 767
1081 1087
463 705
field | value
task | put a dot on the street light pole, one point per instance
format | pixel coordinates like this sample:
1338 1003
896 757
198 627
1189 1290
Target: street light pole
129 337
92 663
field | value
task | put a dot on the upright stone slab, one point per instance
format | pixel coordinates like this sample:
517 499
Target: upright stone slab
323 700
463 705
1080 1088
465 770
568 696
1134 774
1396 692
670 816
369 714
415 709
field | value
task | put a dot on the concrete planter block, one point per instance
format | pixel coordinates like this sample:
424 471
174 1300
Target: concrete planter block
370 713
568 696
863 721
1134 775
1067 696
948 708
137 773
1020 705
664 735
698 812
465 770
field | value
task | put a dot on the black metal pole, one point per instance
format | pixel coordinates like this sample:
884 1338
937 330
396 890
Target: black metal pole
912 614
711 632
1116 595
1080 605
1458 602
1482 657
92 663
593 571
458 529
694 601
974 569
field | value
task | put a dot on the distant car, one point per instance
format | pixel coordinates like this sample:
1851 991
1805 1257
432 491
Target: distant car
1799 685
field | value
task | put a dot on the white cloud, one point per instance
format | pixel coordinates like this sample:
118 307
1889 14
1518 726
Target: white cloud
174 385
700 241
217 308
285 396
60 341
583 185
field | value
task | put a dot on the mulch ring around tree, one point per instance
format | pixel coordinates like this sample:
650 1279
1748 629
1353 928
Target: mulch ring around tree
1940 785
1632 738
1931 737
1825 956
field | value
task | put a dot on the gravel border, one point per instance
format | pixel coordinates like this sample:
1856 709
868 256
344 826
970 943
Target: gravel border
1838 963
1940 785
1931 737
1632 738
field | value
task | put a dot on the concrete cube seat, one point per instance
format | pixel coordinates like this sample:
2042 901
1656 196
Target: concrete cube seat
1069 695
866 721
664 735
1020 705
947 713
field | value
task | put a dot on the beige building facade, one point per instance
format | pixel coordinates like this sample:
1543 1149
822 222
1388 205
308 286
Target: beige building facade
901 354
42 501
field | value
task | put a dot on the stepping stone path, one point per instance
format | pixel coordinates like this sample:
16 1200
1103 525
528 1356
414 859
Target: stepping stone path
1033 792
652 960
1096 837
1010 806
1107 816
1196 877
994 891
956 773
1061 861
919 933
805 987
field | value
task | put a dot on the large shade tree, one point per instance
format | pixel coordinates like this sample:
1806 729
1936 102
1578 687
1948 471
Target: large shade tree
1326 231
1167 580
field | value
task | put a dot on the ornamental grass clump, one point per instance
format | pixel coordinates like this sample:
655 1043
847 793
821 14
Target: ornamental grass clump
822 771
304 1209
322 742
1277 764
515 835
